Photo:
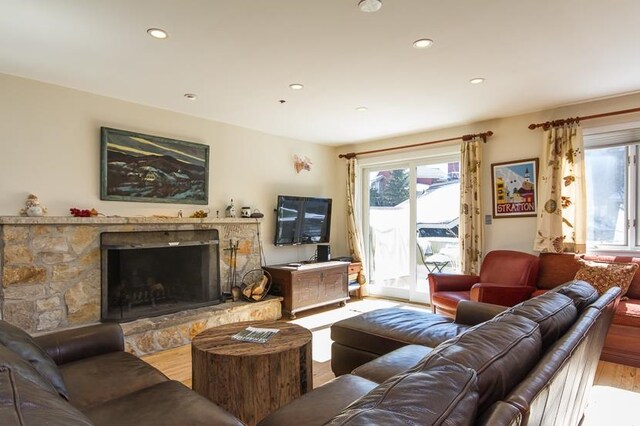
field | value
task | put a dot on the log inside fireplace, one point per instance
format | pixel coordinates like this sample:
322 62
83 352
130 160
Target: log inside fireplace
152 273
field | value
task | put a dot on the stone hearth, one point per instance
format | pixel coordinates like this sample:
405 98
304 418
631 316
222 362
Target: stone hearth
50 276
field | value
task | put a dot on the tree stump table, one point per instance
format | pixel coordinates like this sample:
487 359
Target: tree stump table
251 380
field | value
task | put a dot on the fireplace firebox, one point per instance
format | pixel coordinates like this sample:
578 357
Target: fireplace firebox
151 273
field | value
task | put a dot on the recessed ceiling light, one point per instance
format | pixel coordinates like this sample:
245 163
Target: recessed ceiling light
157 33
362 109
423 43
191 96
296 86
370 5
476 80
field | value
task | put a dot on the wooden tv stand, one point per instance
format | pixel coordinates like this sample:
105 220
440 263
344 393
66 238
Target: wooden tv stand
309 285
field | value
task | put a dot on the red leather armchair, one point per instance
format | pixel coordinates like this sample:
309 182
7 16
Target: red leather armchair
506 278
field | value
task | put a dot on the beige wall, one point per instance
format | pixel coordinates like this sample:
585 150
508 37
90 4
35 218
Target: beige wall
50 146
512 140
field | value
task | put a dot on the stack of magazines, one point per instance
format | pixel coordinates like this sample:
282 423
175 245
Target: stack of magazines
256 335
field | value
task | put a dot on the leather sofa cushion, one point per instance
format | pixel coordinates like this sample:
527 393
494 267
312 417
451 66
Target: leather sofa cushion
322 404
83 342
395 362
101 378
168 403
384 330
582 293
628 313
440 392
23 368
553 312
501 351
23 344
22 402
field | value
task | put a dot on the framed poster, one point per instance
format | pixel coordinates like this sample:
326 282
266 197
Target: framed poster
514 188
153 169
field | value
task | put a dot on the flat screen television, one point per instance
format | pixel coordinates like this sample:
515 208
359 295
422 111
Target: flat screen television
302 220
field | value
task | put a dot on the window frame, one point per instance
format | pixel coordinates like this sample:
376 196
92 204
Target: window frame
632 195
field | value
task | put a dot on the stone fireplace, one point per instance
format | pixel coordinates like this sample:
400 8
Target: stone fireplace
51 275
151 273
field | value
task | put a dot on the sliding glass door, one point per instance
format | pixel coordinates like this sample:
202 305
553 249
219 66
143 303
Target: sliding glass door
410 217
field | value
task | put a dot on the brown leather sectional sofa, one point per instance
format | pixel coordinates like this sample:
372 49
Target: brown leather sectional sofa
531 364
101 384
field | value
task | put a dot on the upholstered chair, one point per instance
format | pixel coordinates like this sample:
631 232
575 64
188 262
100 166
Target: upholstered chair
506 278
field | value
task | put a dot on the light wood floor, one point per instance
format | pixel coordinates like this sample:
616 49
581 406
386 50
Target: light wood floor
614 397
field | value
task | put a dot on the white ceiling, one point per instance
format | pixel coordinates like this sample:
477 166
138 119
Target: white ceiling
239 56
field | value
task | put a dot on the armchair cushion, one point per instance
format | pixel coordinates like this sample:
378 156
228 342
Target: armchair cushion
509 267
500 294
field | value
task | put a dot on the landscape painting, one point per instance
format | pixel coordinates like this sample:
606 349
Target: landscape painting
138 167
514 187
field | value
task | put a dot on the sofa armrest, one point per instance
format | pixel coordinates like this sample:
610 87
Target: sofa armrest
451 282
501 294
84 342
471 313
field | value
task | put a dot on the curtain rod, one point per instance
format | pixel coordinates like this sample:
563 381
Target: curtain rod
483 135
571 120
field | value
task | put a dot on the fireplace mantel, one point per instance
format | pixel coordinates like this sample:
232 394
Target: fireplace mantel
119 220
50 266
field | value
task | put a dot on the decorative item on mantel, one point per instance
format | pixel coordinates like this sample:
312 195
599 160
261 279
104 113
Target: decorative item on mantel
257 214
200 214
75 212
302 163
230 211
32 207
245 211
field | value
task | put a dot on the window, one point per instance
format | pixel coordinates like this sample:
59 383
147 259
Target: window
611 165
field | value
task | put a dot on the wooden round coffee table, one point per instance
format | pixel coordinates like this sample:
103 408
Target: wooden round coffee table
251 380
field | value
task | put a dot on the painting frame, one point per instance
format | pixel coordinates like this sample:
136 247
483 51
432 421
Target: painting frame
144 168
514 188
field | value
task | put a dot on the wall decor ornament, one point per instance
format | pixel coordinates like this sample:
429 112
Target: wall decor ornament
153 169
301 162
514 188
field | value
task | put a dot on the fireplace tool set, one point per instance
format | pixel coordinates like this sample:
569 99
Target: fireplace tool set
255 284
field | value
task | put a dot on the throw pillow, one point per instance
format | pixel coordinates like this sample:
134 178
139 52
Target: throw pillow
604 275
22 344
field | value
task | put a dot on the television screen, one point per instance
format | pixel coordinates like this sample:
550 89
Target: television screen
302 220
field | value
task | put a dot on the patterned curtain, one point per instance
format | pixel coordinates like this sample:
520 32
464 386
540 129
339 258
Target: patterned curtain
354 233
562 221
471 227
